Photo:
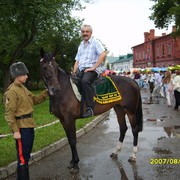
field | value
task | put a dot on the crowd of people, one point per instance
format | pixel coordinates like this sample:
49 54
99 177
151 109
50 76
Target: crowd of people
164 83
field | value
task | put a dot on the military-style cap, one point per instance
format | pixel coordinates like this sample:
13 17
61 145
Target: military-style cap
18 69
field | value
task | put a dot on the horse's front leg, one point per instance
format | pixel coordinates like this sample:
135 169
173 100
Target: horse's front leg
70 130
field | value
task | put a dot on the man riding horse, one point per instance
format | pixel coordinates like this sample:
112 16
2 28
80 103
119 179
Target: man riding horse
90 55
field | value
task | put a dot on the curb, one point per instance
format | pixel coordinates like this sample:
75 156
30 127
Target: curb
38 155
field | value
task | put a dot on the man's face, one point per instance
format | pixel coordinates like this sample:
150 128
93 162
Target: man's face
22 79
86 33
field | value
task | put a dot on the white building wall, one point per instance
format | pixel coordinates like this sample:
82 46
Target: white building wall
122 66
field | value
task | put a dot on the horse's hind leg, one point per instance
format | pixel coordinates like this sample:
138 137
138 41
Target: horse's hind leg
135 131
123 128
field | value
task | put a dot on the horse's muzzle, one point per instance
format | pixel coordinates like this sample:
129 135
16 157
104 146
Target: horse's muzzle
53 90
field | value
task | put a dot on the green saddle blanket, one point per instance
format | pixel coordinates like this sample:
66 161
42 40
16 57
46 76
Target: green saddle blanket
106 92
104 87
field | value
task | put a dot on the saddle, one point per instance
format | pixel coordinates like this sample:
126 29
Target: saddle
105 91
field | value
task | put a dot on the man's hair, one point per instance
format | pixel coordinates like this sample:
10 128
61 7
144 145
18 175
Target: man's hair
88 26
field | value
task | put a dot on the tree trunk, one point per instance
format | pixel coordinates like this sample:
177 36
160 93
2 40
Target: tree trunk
7 80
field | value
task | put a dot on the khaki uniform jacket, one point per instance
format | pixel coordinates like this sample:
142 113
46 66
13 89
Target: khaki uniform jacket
20 101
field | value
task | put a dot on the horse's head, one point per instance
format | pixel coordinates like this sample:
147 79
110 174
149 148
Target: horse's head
49 69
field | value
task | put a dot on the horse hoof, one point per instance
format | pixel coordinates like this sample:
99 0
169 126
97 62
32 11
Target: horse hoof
74 170
113 155
70 166
132 159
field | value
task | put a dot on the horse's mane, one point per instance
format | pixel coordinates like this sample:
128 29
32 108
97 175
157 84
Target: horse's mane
64 71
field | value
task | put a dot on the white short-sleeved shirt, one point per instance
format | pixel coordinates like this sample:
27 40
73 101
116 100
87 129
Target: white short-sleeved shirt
88 54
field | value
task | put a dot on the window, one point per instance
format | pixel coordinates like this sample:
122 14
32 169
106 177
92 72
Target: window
137 56
169 49
163 50
143 55
148 54
157 51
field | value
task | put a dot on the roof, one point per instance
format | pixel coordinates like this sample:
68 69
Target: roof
111 59
124 58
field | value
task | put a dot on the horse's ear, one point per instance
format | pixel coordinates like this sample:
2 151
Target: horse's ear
42 52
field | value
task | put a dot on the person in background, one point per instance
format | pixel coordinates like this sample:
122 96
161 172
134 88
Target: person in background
143 79
163 86
157 83
173 73
137 77
128 74
19 102
176 88
167 82
90 55
151 79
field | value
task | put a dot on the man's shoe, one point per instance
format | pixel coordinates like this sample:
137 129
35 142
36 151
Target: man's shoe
89 113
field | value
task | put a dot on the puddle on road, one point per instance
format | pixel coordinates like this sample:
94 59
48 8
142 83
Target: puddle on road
153 100
153 126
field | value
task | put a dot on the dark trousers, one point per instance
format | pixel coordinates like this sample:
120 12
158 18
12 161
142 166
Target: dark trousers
24 145
151 86
86 80
177 98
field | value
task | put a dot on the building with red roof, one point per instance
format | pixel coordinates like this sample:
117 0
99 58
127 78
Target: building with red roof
157 51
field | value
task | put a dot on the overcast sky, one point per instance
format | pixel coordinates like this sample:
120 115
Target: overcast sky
120 24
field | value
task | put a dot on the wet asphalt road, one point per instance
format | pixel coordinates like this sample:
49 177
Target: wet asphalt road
159 140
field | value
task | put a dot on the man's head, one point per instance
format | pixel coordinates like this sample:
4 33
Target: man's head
86 32
18 69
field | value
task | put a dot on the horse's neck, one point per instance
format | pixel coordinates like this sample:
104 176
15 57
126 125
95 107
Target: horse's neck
65 84
65 97
63 78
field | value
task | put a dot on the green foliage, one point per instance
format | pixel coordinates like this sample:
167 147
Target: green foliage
166 12
26 26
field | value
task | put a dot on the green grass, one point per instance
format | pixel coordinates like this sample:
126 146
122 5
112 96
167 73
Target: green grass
43 136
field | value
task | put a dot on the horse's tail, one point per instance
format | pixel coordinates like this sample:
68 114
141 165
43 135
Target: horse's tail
139 115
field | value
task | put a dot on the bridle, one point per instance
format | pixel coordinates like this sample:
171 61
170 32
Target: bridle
45 79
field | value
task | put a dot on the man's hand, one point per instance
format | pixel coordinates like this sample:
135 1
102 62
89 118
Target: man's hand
17 135
73 73
89 69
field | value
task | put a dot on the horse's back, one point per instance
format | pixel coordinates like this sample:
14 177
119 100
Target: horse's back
129 91
125 84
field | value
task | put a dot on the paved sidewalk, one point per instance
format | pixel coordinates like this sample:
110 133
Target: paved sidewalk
11 168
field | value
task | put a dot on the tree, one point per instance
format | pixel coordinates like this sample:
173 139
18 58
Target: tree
52 40
108 66
25 22
166 12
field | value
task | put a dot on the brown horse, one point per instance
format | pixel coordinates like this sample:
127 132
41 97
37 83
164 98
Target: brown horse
66 106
